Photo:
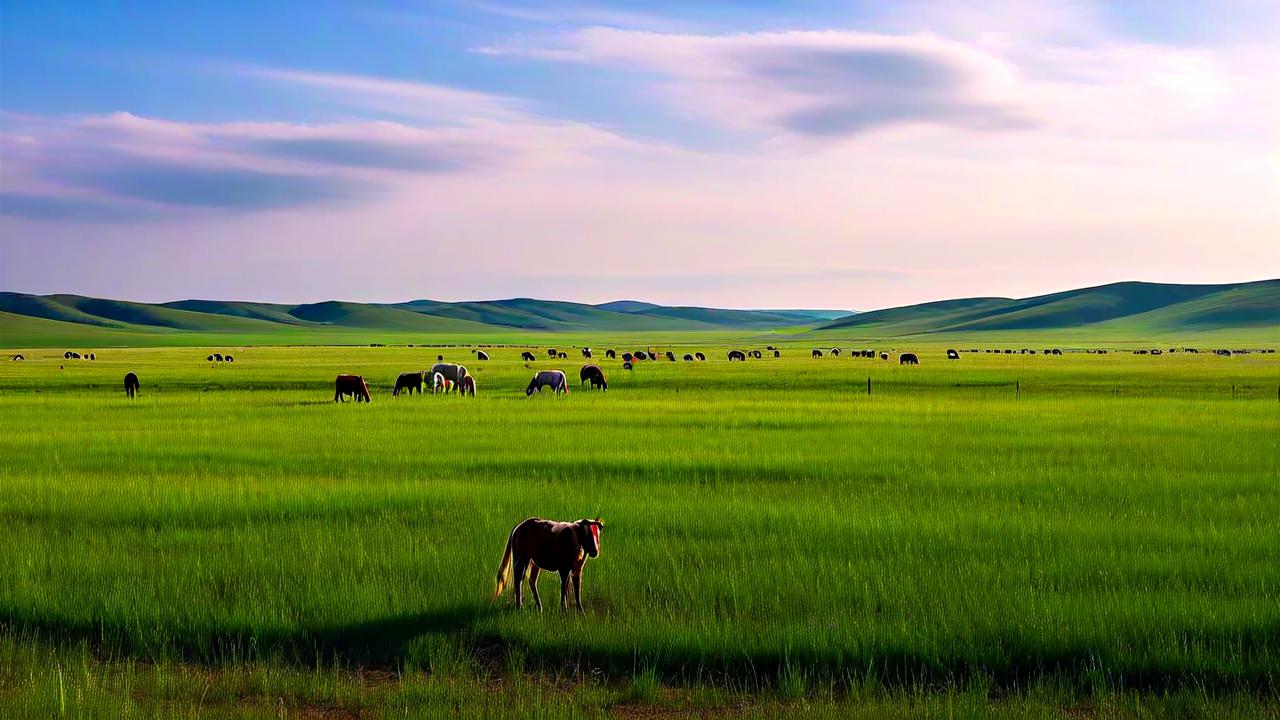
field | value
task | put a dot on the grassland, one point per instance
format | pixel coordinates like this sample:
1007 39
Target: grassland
1015 535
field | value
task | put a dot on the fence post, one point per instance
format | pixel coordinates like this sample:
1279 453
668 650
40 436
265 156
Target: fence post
1017 389
868 386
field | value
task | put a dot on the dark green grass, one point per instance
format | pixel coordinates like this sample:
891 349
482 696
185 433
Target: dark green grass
1093 524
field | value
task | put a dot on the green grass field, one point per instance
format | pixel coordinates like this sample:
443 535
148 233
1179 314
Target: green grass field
1083 535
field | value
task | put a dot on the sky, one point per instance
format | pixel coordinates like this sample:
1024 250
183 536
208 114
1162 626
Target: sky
850 155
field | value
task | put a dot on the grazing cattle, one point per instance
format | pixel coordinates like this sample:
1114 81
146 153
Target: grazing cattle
627 365
562 356
1056 351
210 358
73 356
131 385
671 357
835 352
527 356
756 354
408 382
586 353
553 379
817 353
699 357
908 359
627 357
18 357
228 358
953 355
560 547
611 354
594 374
217 357
737 355
438 383
551 352
440 358
777 353
93 356
353 385
66 355
482 355
687 357
452 373
467 386
770 348
1156 352
884 356
640 355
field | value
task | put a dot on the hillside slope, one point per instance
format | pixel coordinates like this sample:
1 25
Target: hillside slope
1137 306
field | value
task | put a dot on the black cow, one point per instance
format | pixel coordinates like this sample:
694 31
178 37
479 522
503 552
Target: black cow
687 357
626 365
586 353
908 359
131 385
817 353
228 358
884 356
756 354
953 355
595 375
408 382
640 355
527 356
777 354
552 352
671 357
482 355
18 357
737 355
627 357
699 357
611 354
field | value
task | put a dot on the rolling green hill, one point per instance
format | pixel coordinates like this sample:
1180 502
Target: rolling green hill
1136 307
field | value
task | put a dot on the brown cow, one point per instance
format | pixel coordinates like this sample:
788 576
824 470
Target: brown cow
561 547
353 385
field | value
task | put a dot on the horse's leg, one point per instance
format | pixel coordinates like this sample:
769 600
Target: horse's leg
564 589
534 570
577 588
522 565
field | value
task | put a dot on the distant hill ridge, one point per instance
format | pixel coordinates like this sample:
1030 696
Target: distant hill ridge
1137 305
412 316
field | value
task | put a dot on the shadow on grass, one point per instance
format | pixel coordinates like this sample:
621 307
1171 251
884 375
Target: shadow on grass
421 639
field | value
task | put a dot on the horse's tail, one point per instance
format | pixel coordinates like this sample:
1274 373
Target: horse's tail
504 568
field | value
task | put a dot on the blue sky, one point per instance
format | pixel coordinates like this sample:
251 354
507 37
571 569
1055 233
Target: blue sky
747 154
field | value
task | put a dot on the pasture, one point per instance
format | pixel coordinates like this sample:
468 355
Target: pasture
1013 534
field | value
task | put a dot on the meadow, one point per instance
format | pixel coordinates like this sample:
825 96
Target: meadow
1007 534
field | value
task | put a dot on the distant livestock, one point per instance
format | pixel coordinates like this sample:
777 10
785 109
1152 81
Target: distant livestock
737 355
131 385
777 354
1056 351
93 356
482 355
687 357
953 355
835 352
553 379
756 354
228 358
536 545
699 357
552 352
409 382
611 354
817 353
18 357
627 365
586 353
353 385
527 356
440 358
641 355
884 356
671 357
452 373
594 375
438 383
467 386
562 356
908 359
627 357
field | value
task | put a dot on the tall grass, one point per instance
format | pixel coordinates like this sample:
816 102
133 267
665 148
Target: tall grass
1098 524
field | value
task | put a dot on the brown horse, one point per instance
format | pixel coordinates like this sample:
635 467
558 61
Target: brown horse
353 385
536 545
